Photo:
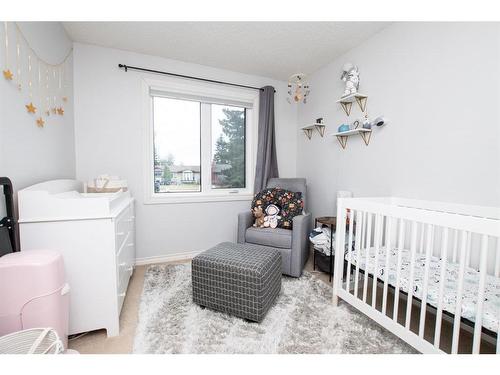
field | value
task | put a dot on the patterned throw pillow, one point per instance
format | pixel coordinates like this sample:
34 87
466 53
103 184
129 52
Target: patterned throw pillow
289 203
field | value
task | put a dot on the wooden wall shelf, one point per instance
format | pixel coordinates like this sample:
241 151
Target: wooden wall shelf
346 102
308 129
342 137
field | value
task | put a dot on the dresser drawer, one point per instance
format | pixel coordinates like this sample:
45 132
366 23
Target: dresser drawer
125 257
125 260
124 224
123 285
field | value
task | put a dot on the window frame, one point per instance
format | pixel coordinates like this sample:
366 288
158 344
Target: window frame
183 89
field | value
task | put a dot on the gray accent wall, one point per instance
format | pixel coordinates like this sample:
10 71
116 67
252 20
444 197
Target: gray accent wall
439 84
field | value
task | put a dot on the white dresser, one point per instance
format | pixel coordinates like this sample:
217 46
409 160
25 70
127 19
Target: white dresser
95 233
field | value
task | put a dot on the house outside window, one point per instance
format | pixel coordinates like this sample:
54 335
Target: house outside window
201 141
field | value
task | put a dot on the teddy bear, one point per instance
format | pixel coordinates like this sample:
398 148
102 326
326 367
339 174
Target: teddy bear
259 217
272 217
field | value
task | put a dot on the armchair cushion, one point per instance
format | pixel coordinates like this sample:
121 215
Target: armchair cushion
280 238
290 204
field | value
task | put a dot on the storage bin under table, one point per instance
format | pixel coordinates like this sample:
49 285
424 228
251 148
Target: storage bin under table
239 279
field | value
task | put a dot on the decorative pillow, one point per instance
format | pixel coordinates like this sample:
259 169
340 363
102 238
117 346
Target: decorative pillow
289 203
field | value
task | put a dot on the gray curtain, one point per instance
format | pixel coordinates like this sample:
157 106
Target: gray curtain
267 164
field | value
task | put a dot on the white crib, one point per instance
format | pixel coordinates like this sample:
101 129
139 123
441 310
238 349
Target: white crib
429 272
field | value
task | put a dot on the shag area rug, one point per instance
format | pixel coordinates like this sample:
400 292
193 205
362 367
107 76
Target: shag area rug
303 320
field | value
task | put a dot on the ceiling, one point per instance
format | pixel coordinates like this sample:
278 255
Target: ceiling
270 49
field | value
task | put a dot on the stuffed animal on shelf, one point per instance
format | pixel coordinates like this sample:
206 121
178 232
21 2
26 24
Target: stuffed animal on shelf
272 217
259 217
350 75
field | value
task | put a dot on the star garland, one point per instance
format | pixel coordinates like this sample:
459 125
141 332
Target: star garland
44 82
7 73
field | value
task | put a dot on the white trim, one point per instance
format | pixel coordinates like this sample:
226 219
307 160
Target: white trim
181 86
166 258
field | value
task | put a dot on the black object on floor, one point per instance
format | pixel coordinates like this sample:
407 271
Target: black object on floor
8 224
322 261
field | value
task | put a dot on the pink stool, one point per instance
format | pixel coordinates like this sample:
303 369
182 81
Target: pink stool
33 292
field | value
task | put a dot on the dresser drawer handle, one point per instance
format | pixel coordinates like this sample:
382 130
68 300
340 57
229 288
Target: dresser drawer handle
130 269
121 294
120 233
130 244
132 218
122 264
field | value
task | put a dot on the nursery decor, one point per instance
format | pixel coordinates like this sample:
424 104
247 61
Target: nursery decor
318 125
344 128
346 102
342 136
45 82
258 213
350 75
272 217
285 205
30 108
366 123
298 88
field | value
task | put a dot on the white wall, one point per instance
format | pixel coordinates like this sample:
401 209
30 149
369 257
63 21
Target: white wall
108 133
439 84
29 154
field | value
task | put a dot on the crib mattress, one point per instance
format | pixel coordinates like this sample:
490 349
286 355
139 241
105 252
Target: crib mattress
491 305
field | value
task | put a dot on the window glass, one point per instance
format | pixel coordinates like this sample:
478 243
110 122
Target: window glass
228 147
177 145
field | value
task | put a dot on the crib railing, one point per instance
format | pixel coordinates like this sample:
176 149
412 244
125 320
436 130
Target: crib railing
409 237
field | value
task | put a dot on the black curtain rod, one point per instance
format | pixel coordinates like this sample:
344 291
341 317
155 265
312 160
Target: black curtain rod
127 67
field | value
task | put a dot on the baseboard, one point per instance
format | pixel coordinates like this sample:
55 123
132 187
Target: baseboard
166 258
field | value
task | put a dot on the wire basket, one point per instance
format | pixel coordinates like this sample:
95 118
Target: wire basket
32 341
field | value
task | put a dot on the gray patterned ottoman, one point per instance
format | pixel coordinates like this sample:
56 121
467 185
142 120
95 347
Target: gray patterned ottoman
239 279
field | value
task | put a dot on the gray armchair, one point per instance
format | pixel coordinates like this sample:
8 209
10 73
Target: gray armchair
292 244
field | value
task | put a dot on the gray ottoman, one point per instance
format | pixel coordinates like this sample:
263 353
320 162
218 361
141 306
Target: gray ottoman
238 279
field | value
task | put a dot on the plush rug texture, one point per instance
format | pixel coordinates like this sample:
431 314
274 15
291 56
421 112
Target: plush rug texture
303 320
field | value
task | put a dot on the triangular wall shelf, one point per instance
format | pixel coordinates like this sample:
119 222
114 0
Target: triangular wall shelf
346 102
343 136
308 129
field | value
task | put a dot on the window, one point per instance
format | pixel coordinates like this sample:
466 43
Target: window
201 143
228 147
177 153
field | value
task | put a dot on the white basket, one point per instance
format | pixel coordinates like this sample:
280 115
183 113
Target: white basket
32 341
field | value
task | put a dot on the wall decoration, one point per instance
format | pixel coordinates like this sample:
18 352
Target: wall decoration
366 123
31 108
350 75
7 72
298 88
363 126
319 125
43 84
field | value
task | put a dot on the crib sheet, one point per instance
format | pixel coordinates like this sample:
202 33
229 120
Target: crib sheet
491 305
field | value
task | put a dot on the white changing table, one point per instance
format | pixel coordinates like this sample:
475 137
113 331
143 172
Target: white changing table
95 233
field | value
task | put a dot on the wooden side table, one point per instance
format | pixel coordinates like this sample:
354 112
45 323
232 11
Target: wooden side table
331 222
